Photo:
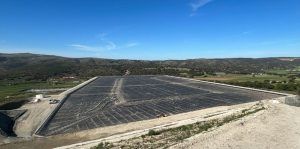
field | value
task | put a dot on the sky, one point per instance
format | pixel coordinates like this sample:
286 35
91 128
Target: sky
151 29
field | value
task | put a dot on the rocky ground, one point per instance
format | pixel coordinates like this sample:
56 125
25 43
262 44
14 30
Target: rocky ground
276 127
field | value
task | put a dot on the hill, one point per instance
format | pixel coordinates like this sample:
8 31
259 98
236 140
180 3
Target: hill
28 66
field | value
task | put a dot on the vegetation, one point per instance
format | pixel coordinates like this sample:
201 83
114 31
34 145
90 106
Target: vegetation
153 132
243 77
42 67
104 145
295 70
298 91
169 137
289 83
14 90
20 72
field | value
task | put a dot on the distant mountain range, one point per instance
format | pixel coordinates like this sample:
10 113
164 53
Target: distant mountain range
35 66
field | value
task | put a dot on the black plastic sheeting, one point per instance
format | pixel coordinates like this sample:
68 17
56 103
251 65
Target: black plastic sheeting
7 121
146 97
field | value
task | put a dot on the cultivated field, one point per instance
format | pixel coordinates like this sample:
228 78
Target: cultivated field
244 78
116 100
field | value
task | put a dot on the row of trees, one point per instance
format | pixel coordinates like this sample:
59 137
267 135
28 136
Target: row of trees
291 86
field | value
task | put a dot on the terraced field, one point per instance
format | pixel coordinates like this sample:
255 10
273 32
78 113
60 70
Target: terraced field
115 100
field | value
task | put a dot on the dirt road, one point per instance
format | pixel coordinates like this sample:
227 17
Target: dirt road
276 128
36 113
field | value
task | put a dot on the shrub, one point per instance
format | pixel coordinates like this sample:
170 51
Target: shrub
298 91
153 132
103 146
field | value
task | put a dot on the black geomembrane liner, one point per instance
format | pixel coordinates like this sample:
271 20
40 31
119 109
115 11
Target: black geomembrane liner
143 97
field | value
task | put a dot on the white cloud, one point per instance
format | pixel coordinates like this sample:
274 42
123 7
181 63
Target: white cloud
109 45
246 32
104 45
87 48
195 5
131 44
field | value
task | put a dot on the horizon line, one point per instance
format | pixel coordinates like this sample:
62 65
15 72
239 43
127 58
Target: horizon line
150 59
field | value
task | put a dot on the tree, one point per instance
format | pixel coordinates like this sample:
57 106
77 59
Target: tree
298 91
292 79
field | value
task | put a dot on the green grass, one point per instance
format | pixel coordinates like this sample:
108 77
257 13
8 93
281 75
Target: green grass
14 91
281 83
243 78
279 71
285 71
259 78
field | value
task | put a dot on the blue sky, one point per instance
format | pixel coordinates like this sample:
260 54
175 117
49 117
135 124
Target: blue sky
151 29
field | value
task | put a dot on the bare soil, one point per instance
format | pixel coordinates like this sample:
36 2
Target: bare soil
276 128
36 113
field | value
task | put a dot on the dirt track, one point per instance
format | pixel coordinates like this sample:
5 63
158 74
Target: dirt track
35 115
277 127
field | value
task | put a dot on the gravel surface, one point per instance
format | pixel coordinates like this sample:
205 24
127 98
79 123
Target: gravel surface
277 127
30 120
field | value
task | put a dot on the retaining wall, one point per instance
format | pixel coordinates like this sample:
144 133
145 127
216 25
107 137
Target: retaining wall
292 101
62 97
